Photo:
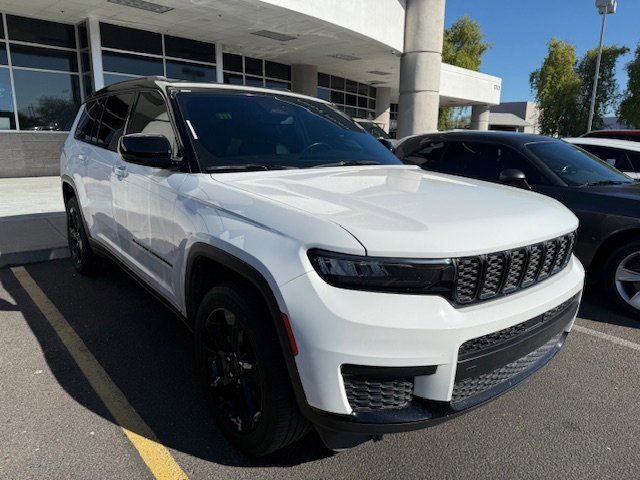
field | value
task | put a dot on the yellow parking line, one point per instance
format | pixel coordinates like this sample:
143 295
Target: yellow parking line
153 453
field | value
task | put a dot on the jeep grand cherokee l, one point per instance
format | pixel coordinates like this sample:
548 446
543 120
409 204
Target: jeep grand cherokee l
329 286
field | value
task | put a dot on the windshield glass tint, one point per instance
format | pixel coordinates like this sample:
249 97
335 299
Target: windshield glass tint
229 128
575 166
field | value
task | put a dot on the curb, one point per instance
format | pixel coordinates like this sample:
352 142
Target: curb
14 259
32 238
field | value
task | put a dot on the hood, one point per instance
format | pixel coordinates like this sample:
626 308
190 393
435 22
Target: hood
405 211
629 191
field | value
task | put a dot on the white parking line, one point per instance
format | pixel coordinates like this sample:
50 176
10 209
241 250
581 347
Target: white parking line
605 336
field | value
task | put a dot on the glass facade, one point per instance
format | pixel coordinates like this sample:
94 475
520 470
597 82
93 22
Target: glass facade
356 99
39 74
129 53
46 70
254 72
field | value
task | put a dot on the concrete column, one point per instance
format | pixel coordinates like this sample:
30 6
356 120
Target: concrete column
304 79
95 50
420 67
219 63
383 107
480 117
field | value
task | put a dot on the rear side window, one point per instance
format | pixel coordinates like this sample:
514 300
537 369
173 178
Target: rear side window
113 120
88 120
429 156
485 161
613 156
634 159
150 115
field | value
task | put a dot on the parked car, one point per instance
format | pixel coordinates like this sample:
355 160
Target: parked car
606 201
373 128
630 135
328 285
622 154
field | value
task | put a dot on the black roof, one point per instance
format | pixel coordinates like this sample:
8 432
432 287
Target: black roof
134 83
512 138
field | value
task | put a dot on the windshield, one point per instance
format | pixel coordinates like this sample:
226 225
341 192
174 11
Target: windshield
234 131
575 166
374 129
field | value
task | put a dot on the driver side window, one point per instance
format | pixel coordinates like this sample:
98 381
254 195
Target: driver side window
150 115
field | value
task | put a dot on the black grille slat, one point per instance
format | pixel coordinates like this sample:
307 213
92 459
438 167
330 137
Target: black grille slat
487 276
468 279
494 268
369 394
534 261
550 249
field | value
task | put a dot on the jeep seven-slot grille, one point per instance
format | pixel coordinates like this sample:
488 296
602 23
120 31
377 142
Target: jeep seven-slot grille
487 276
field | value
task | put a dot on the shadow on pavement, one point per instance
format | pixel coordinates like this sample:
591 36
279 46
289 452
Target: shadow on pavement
147 352
596 307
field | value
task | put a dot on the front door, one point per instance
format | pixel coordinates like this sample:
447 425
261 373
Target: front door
145 198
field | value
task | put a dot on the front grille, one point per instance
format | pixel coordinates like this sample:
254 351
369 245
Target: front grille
484 277
470 387
367 394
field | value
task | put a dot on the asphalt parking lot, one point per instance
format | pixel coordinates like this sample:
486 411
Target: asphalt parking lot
579 417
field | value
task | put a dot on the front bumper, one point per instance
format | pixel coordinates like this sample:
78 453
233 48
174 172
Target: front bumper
335 328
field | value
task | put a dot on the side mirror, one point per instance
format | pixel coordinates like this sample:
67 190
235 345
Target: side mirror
149 149
515 178
388 144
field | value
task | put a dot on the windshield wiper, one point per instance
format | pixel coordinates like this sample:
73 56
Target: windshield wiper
602 182
247 167
347 163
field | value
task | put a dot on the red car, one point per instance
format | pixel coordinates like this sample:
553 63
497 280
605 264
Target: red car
632 135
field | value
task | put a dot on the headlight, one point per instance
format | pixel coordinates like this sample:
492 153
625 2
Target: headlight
400 275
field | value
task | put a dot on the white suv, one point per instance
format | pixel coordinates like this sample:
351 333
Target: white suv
328 285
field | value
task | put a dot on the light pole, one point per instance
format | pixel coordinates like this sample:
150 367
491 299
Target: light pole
604 7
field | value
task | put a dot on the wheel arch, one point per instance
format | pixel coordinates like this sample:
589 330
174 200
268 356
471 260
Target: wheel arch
611 243
201 259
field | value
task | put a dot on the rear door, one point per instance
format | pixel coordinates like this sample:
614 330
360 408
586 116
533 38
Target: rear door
102 158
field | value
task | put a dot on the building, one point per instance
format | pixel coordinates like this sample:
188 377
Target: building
515 117
377 59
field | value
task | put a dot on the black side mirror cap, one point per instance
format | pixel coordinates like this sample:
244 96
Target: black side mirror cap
515 178
149 149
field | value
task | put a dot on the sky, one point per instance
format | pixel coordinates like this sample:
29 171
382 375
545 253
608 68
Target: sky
519 30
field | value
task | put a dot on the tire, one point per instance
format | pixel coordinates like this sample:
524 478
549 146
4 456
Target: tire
244 377
621 284
83 258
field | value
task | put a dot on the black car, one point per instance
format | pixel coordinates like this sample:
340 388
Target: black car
606 201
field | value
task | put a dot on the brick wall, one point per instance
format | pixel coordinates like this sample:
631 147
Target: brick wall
30 154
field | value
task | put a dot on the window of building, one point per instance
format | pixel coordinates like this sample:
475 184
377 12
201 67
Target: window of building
255 72
354 98
40 60
7 114
130 53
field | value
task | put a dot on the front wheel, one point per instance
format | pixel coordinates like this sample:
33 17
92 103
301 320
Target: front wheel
622 277
244 376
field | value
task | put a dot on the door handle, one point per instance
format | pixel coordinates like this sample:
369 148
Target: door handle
120 171
82 158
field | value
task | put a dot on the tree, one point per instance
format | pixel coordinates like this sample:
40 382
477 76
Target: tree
463 46
607 94
557 86
629 111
